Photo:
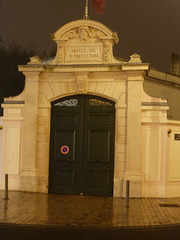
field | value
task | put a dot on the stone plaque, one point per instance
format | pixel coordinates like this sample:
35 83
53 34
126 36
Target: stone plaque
87 53
177 136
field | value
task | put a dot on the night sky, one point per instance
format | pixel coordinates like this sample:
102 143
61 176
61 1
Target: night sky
150 28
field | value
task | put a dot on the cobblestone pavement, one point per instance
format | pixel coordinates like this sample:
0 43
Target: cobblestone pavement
53 210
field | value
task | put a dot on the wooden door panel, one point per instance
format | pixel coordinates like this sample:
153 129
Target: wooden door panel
98 156
98 163
65 171
63 165
63 176
64 137
98 178
99 119
65 118
85 126
98 145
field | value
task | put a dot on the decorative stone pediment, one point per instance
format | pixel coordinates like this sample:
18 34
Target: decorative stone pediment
84 41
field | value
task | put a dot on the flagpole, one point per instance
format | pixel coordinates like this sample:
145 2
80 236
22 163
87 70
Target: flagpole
86 11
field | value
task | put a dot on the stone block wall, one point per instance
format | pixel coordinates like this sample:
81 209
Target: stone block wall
11 142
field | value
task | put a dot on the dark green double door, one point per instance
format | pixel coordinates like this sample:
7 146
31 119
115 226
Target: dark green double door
82 146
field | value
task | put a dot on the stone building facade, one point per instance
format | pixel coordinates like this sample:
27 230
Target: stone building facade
145 144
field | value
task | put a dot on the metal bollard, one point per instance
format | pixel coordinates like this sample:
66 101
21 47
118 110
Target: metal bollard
127 192
6 187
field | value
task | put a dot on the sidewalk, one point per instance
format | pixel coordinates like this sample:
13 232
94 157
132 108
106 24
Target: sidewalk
64 212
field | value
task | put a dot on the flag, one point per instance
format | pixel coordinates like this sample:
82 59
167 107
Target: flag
99 6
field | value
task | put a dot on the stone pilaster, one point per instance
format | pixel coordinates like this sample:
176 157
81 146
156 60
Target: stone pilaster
28 165
133 147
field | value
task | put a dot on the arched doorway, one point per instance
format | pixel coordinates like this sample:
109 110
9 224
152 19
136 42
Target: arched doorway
82 146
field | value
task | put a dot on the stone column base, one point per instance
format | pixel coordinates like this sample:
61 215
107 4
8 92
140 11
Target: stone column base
34 184
28 180
135 184
118 186
28 184
42 184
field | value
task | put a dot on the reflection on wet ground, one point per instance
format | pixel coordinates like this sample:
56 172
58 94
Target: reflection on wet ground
51 209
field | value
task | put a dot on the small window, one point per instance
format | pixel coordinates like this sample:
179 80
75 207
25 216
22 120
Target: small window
67 103
98 102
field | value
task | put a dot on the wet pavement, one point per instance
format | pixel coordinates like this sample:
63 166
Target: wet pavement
69 213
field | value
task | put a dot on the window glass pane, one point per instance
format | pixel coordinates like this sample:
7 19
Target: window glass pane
68 103
98 102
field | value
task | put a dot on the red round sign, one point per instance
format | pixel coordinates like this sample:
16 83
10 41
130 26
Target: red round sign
64 149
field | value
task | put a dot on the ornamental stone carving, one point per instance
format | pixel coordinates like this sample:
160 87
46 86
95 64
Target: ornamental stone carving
83 33
60 53
107 51
82 83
